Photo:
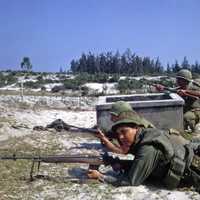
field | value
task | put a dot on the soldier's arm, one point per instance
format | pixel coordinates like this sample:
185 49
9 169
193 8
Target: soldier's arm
145 162
109 145
195 93
162 88
192 90
146 159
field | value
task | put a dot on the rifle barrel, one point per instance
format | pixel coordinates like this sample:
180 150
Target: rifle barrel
90 130
195 83
89 159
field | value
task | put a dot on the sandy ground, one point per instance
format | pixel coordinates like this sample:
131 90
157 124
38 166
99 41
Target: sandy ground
60 181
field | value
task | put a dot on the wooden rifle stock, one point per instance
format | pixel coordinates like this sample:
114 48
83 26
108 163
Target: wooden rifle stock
93 161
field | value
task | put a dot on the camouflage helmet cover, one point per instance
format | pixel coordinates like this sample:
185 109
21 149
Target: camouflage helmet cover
119 107
184 74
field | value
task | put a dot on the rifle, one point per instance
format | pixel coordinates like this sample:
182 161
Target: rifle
93 161
173 90
195 83
59 125
82 129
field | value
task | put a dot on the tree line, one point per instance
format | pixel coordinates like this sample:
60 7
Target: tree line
127 63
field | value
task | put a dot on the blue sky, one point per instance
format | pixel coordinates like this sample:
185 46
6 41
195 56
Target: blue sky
52 33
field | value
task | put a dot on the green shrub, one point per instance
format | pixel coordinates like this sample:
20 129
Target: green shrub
58 88
71 84
7 79
84 91
128 84
31 84
114 78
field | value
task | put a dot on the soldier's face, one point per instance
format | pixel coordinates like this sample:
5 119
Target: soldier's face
182 82
126 135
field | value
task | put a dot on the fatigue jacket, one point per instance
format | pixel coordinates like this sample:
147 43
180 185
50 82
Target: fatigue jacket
191 103
155 153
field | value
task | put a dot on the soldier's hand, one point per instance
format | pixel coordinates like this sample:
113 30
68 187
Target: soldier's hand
182 92
159 87
94 174
100 134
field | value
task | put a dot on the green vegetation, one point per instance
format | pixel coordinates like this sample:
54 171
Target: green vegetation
26 64
102 68
83 78
125 86
32 84
72 84
7 79
127 64
77 82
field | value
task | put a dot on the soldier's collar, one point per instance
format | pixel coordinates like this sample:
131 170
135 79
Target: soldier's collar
137 139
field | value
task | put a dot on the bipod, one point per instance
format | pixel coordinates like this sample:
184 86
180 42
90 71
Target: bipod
32 169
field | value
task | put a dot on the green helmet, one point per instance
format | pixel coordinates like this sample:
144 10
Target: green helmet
184 74
119 107
134 120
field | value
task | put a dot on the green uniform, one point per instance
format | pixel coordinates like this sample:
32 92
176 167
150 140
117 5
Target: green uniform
191 109
158 156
